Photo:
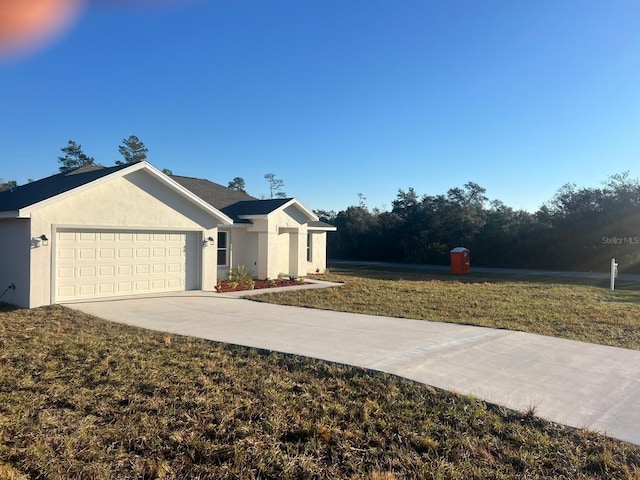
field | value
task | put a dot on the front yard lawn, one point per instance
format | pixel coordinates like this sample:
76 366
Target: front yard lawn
82 398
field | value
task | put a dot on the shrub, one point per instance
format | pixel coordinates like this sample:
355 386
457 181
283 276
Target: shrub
241 276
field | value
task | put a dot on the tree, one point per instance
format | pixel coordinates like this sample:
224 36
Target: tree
8 185
275 186
133 150
167 171
237 184
74 157
327 216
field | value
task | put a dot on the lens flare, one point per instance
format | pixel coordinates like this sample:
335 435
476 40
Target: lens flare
26 25
29 25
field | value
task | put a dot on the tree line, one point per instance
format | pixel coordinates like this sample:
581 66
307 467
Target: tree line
578 229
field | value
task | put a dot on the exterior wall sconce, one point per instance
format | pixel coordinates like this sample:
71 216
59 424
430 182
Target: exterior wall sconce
206 241
35 241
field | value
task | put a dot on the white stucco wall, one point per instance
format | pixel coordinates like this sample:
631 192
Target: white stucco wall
244 246
15 250
136 201
282 244
318 253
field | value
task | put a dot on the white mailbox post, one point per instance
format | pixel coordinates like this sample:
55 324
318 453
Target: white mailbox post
614 273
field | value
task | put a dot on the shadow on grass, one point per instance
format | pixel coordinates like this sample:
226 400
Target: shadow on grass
6 307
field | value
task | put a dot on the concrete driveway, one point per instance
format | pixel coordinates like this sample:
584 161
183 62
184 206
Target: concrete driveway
574 383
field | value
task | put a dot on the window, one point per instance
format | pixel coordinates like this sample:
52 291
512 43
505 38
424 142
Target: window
309 247
223 249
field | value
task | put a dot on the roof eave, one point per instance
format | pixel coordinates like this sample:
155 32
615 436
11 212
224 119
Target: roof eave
11 214
234 225
323 229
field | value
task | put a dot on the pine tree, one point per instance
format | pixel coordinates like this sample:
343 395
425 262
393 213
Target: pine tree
237 184
74 157
133 150
275 186
8 185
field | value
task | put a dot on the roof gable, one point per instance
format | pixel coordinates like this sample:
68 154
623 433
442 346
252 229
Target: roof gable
261 208
40 190
32 195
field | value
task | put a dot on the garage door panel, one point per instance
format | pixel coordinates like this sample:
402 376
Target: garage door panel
107 253
142 269
87 272
174 267
107 271
85 253
68 291
66 236
125 270
66 253
87 289
159 268
66 272
107 288
95 263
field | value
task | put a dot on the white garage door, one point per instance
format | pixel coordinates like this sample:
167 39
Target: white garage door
99 263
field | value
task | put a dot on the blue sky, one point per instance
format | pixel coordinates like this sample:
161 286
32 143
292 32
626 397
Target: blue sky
339 97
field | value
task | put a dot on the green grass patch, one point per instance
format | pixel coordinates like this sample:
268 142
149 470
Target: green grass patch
82 398
578 309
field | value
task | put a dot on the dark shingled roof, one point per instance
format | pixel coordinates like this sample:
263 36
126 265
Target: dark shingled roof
214 194
253 207
230 202
34 192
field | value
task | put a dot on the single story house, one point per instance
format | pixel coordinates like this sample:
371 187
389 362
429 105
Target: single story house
131 229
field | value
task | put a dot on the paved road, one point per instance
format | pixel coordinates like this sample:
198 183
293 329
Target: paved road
574 383
507 271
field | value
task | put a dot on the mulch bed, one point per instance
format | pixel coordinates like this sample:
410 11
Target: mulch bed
224 286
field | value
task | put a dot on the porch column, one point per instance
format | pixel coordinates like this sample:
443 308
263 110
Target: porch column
299 252
267 254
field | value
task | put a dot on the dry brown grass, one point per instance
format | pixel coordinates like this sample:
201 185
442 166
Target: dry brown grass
82 398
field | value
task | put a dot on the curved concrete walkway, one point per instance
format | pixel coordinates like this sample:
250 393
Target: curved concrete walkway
570 382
